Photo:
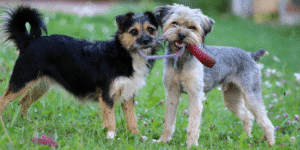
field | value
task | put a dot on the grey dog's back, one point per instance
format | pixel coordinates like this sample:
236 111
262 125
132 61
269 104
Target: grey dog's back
231 61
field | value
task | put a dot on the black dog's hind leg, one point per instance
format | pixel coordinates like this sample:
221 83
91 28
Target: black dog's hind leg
10 95
33 95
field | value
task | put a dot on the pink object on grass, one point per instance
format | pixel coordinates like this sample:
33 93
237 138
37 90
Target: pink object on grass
44 140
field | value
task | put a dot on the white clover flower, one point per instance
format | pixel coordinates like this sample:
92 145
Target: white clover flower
144 138
271 106
260 66
52 15
62 22
185 112
90 27
145 123
268 72
278 74
268 84
297 75
105 30
292 139
157 73
278 83
276 59
46 20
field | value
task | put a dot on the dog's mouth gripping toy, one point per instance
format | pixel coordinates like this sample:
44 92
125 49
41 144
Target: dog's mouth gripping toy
179 44
205 58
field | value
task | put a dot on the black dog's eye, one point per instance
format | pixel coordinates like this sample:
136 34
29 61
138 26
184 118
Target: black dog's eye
150 30
134 32
192 27
174 23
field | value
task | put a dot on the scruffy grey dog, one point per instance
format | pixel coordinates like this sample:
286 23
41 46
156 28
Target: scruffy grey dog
235 70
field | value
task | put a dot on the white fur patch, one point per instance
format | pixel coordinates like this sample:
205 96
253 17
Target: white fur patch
110 135
127 87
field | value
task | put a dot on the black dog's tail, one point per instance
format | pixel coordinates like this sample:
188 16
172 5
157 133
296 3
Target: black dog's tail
257 55
14 29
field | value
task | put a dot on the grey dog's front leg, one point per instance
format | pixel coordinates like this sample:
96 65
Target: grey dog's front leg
172 84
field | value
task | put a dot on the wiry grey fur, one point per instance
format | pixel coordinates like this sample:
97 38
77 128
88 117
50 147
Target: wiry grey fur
233 64
235 70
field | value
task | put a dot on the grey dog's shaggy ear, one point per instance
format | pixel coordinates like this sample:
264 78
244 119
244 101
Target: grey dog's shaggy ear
207 24
162 12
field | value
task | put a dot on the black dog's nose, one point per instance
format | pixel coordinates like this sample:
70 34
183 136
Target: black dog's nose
181 36
144 39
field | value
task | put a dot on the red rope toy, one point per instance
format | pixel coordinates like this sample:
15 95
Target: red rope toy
205 58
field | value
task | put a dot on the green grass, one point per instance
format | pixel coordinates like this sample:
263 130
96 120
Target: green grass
78 126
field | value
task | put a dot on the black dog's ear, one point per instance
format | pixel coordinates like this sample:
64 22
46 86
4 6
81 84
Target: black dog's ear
152 17
207 25
162 11
121 20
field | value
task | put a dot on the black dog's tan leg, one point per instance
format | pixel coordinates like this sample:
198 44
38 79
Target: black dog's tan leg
234 101
10 96
129 112
108 116
33 95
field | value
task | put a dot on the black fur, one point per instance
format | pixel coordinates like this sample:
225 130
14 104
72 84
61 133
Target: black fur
162 12
124 21
79 66
15 26
257 55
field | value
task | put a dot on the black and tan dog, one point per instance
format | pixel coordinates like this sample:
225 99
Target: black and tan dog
108 69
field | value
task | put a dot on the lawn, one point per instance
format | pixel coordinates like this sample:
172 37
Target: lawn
79 126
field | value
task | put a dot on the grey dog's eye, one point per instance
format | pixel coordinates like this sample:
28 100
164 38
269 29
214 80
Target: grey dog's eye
174 23
192 27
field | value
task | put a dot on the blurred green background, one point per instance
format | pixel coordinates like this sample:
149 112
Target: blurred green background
77 126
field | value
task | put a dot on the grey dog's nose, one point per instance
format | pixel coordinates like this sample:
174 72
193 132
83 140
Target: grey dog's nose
181 36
